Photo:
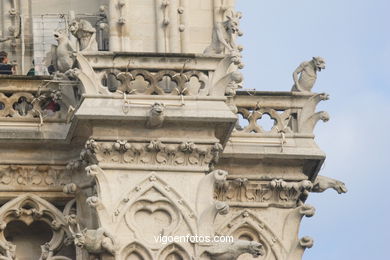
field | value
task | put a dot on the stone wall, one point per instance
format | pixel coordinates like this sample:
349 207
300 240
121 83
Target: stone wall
119 147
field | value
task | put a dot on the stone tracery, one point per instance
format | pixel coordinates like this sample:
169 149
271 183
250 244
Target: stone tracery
153 147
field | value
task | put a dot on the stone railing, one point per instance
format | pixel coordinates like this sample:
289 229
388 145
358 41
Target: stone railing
260 146
291 112
35 99
158 74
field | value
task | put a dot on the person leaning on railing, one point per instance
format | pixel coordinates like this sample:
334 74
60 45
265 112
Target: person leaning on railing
5 68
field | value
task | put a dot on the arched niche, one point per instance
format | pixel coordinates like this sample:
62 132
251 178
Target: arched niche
247 226
135 251
153 206
31 228
174 252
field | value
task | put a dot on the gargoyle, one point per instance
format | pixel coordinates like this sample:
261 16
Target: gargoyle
323 183
85 34
307 74
95 241
308 125
308 117
206 207
61 56
156 115
224 34
234 250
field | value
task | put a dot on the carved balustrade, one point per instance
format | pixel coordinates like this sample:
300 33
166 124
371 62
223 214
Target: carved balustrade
291 112
36 99
159 74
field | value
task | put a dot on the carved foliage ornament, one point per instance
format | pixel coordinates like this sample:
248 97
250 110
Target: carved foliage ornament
37 176
276 192
154 152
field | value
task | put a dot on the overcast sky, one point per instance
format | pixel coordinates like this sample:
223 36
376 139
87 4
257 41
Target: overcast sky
354 38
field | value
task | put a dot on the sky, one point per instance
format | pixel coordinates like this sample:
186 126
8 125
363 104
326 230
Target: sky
354 38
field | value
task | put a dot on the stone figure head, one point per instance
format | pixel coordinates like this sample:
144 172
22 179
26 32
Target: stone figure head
157 109
78 236
74 26
324 116
340 187
80 25
60 35
232 22
319 63
255 249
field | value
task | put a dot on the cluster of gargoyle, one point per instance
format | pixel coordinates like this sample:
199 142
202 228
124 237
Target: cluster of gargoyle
62 56
223 41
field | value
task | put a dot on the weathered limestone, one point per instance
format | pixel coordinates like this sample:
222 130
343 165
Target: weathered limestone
144 141
85 35
307 74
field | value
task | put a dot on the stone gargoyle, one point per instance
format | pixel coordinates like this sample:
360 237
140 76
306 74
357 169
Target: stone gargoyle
61 56
234 250
323 183
94 241
156 115
85 34
305 75
224 34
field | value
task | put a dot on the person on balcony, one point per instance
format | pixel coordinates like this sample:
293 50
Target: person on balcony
31 72
5 68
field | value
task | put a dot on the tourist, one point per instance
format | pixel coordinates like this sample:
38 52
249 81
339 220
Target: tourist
5 68
31 72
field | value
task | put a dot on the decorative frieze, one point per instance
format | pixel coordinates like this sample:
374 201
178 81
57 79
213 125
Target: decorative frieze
29 177
277 192
154 153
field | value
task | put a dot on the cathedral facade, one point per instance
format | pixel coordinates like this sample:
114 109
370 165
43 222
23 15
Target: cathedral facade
126 133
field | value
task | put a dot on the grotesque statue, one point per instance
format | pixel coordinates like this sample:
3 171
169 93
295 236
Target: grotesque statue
156 115
323 183
94 241
308 74
61 56
85 34
224 34
234 250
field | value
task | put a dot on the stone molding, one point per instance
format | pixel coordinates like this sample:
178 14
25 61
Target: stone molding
147 155
34 177
262 194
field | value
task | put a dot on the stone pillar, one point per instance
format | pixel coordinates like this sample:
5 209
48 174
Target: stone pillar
119 25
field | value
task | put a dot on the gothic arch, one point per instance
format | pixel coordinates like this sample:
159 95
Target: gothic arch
246 225
28 209
135 251
174 252
154 196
